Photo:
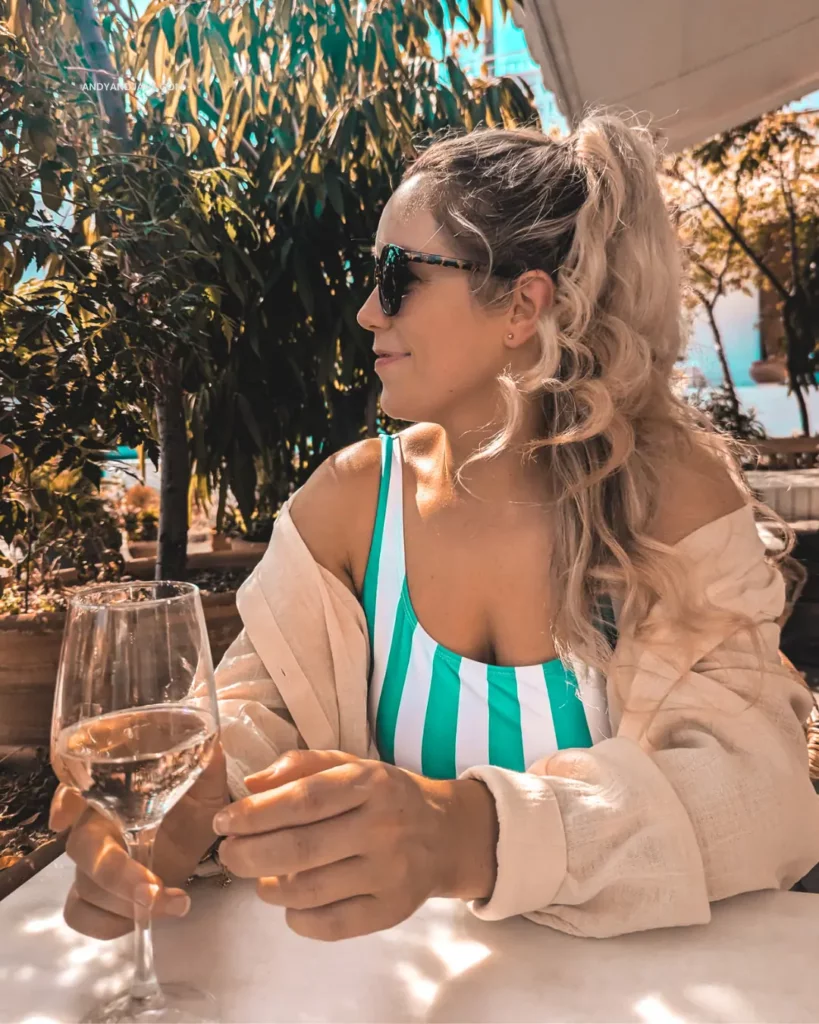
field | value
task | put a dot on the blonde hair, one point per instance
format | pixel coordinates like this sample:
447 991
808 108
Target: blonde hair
588 209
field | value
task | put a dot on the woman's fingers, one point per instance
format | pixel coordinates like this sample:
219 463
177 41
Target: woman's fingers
87 919
291 850
319 887
99 852
167 902
66 807
109 882
327 794
296 764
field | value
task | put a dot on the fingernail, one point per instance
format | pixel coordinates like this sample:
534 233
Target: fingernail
178 904
146 894
221 823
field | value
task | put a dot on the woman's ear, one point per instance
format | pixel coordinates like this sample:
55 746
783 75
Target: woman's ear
533 295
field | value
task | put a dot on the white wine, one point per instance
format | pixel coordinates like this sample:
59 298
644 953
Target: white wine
135 765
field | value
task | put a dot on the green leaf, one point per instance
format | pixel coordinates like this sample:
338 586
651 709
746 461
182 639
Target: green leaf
334 193
68 155
460 84
303 282
221 59
159 54
91 471
250 421
52 190
41 133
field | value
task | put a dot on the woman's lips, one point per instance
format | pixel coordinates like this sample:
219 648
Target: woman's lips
384 361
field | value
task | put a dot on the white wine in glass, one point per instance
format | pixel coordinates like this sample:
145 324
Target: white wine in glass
135 724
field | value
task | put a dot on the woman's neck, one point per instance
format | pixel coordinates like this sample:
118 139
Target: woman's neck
503 479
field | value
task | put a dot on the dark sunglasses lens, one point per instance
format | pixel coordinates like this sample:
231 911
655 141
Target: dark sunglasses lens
391 278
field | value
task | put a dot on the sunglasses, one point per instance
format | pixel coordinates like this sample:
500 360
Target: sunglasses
392 273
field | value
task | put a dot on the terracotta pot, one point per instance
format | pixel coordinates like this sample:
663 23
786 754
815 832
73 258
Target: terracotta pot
143 568
219 542
12 878
142 548
769 371
249 546
30 652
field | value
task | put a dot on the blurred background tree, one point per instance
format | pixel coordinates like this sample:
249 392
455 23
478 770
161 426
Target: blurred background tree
749 212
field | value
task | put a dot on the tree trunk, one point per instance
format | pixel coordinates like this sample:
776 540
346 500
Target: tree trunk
800 347
723 360
99 60
221 506
803 409
174 476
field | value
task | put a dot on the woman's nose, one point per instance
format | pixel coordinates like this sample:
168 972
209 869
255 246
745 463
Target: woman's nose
371 316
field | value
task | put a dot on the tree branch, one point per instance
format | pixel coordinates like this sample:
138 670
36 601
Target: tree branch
733 232
788 197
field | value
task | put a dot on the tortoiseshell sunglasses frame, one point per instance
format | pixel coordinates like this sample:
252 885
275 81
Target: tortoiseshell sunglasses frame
395 257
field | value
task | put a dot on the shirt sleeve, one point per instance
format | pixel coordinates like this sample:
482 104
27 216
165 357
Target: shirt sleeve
256 726
648 828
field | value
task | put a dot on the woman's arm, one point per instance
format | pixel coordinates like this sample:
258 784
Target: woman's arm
334 511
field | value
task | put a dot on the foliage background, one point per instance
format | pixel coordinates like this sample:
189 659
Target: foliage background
198 186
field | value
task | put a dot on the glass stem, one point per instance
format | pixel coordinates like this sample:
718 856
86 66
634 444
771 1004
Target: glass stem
145 990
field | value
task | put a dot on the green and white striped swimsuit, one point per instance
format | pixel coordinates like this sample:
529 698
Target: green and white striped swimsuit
437 713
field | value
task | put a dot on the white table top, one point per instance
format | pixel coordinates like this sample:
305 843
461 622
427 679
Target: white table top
756 961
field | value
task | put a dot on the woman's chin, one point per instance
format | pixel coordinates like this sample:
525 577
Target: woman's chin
398 408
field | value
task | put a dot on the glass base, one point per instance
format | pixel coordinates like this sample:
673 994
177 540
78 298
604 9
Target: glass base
182 1004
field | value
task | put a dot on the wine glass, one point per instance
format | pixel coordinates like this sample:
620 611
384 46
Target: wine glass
135 724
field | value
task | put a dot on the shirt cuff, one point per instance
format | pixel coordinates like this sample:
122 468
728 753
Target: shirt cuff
531 850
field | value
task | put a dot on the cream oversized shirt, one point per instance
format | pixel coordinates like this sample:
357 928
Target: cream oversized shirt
622 836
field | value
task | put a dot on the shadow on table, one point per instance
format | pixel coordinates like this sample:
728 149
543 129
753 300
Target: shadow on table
49 963
699 976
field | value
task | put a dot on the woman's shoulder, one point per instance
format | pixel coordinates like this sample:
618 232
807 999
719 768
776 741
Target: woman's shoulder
330 510
695 490
334 511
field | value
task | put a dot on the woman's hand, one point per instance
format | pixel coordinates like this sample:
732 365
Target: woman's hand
108 882
350 846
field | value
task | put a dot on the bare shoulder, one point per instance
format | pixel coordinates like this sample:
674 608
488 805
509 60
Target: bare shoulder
334 510
696 490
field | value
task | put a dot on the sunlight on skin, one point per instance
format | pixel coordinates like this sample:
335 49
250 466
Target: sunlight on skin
653 1010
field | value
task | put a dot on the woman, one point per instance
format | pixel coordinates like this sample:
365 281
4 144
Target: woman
530 641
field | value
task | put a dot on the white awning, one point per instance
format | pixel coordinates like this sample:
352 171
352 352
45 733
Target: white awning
696 67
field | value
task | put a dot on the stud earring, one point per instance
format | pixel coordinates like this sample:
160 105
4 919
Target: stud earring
510 336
